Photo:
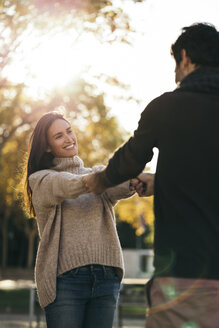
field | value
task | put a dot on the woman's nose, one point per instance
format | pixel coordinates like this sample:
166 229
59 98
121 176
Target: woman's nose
68 137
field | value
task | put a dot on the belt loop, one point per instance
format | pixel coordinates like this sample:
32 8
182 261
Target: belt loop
91 268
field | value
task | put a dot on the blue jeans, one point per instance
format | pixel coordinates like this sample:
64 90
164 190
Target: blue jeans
86 297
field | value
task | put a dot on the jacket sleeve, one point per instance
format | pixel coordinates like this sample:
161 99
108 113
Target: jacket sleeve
51 188
130 159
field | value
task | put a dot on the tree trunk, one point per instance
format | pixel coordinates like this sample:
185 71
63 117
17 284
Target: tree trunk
5 238
31 239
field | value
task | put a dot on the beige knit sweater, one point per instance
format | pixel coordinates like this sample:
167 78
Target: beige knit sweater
76 228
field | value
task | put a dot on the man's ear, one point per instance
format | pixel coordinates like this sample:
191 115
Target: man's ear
186 61
48 150
186 64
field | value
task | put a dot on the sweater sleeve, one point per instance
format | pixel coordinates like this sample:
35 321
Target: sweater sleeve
121 191
51 188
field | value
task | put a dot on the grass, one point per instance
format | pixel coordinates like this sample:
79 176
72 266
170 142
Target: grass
14 301
132 311
17 301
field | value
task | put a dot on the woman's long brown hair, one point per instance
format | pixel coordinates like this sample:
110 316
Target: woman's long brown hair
38 158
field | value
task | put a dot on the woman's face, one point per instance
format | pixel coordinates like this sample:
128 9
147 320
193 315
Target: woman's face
61 139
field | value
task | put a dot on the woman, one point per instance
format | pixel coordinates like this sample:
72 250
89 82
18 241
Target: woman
79 262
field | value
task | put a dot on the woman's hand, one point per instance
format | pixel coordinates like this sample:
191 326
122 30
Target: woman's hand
133 184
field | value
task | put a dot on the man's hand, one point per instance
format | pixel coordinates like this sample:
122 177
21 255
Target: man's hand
145 187
133 184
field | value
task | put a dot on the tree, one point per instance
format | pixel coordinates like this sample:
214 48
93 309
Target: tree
103 18
138 212
98 135
98 131
8 164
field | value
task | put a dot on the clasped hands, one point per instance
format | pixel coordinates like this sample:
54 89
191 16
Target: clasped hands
143 184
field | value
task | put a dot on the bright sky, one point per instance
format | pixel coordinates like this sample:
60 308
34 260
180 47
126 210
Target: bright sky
146 66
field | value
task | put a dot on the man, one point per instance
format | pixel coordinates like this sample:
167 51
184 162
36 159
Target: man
183 125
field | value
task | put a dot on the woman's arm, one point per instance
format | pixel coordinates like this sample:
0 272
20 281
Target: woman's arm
51 188
143 185
118 192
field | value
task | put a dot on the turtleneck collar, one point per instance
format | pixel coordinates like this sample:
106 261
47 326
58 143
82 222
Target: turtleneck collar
68 164
203 79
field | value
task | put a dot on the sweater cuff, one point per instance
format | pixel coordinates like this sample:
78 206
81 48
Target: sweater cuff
103 180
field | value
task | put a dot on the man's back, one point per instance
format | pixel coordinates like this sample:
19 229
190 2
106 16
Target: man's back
186 187
184 126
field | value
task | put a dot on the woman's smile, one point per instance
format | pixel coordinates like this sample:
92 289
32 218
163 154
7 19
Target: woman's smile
61 139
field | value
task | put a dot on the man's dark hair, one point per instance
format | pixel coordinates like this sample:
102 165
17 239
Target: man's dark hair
201 42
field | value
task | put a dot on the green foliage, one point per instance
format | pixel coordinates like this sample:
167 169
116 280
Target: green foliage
14 300
133 311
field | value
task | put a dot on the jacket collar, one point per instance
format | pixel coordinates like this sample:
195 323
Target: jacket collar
204 79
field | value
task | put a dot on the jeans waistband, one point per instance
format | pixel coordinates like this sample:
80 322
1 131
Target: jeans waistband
96 267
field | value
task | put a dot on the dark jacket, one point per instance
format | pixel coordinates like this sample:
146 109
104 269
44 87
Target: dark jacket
184 126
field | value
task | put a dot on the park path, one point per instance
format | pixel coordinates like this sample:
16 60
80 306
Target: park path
11 320
22 321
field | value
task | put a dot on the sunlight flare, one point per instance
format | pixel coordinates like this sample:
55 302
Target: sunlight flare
55 62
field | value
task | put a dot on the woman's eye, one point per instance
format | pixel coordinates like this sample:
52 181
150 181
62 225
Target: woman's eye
69 131
58 137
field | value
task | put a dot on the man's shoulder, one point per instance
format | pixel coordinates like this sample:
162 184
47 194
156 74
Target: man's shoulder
165 97
165 100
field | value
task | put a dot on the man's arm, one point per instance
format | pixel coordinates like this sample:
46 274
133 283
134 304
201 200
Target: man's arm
143 184
130 159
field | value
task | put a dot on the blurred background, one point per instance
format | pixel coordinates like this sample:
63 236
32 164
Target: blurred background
99 63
